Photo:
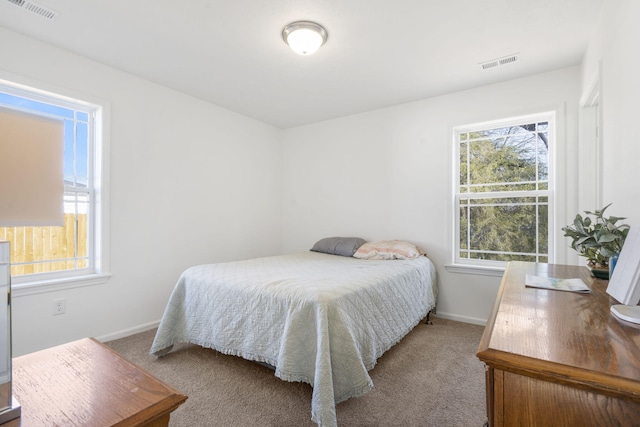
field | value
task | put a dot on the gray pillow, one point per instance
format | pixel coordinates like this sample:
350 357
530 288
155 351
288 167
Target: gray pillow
343 246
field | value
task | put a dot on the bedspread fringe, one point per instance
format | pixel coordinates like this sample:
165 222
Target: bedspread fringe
160 352
357 391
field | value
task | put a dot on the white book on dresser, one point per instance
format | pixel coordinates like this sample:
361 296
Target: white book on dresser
624 283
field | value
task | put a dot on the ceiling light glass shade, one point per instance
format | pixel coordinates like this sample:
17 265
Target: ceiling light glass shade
304 37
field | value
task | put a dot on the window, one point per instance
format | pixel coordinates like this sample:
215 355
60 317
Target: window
41 254
503 199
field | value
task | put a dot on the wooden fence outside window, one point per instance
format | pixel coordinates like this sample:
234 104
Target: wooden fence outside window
46 249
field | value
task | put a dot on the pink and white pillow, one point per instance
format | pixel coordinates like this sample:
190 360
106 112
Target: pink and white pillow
388 249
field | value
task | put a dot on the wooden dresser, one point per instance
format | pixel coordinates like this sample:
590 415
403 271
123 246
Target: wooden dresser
85 383
557 358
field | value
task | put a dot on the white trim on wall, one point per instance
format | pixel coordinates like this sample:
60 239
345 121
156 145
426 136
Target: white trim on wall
590 146
129 331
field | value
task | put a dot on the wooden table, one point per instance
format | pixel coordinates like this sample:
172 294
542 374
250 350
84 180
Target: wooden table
559 358
85 383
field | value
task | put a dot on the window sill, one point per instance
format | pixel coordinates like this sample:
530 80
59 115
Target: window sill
475 269
31 288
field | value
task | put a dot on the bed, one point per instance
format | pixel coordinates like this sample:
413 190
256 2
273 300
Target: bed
315 317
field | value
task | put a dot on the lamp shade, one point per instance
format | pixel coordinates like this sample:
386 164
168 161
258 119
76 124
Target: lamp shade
304 37
31 169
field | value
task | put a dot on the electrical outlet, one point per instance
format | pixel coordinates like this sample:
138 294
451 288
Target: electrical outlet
59 306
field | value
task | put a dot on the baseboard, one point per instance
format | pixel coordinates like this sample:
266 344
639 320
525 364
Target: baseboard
458 318
127 332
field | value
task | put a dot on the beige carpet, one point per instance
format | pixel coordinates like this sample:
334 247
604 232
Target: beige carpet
431 378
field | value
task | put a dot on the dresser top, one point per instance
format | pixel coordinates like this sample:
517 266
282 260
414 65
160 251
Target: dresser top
568 337
86 383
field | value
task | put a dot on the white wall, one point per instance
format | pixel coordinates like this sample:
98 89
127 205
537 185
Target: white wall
613 49
190 183
387 174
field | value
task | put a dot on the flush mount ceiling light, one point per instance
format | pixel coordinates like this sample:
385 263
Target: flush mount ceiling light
304 37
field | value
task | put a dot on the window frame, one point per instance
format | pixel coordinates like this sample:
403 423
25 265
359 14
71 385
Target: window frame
492 267
97 271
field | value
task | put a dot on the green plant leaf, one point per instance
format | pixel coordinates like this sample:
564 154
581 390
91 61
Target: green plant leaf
585 239
605 238
597 237
608 253
614 219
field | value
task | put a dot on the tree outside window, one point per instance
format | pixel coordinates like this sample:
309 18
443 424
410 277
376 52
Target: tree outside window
503 199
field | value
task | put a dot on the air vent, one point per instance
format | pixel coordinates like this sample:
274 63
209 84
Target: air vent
500 61
36 9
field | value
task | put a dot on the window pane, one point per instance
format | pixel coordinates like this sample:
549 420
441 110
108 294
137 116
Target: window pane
46 249
83 117
29 104
32 244
463 167
82 206
543 229
543 157
464 227
69 153
481 167
81 158
504 155
502 228
505 228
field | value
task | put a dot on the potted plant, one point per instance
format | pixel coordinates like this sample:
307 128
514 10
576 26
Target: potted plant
597 238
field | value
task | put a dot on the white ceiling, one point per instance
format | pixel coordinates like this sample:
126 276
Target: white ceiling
379 52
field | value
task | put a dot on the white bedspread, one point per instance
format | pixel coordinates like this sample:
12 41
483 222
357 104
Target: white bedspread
318 318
